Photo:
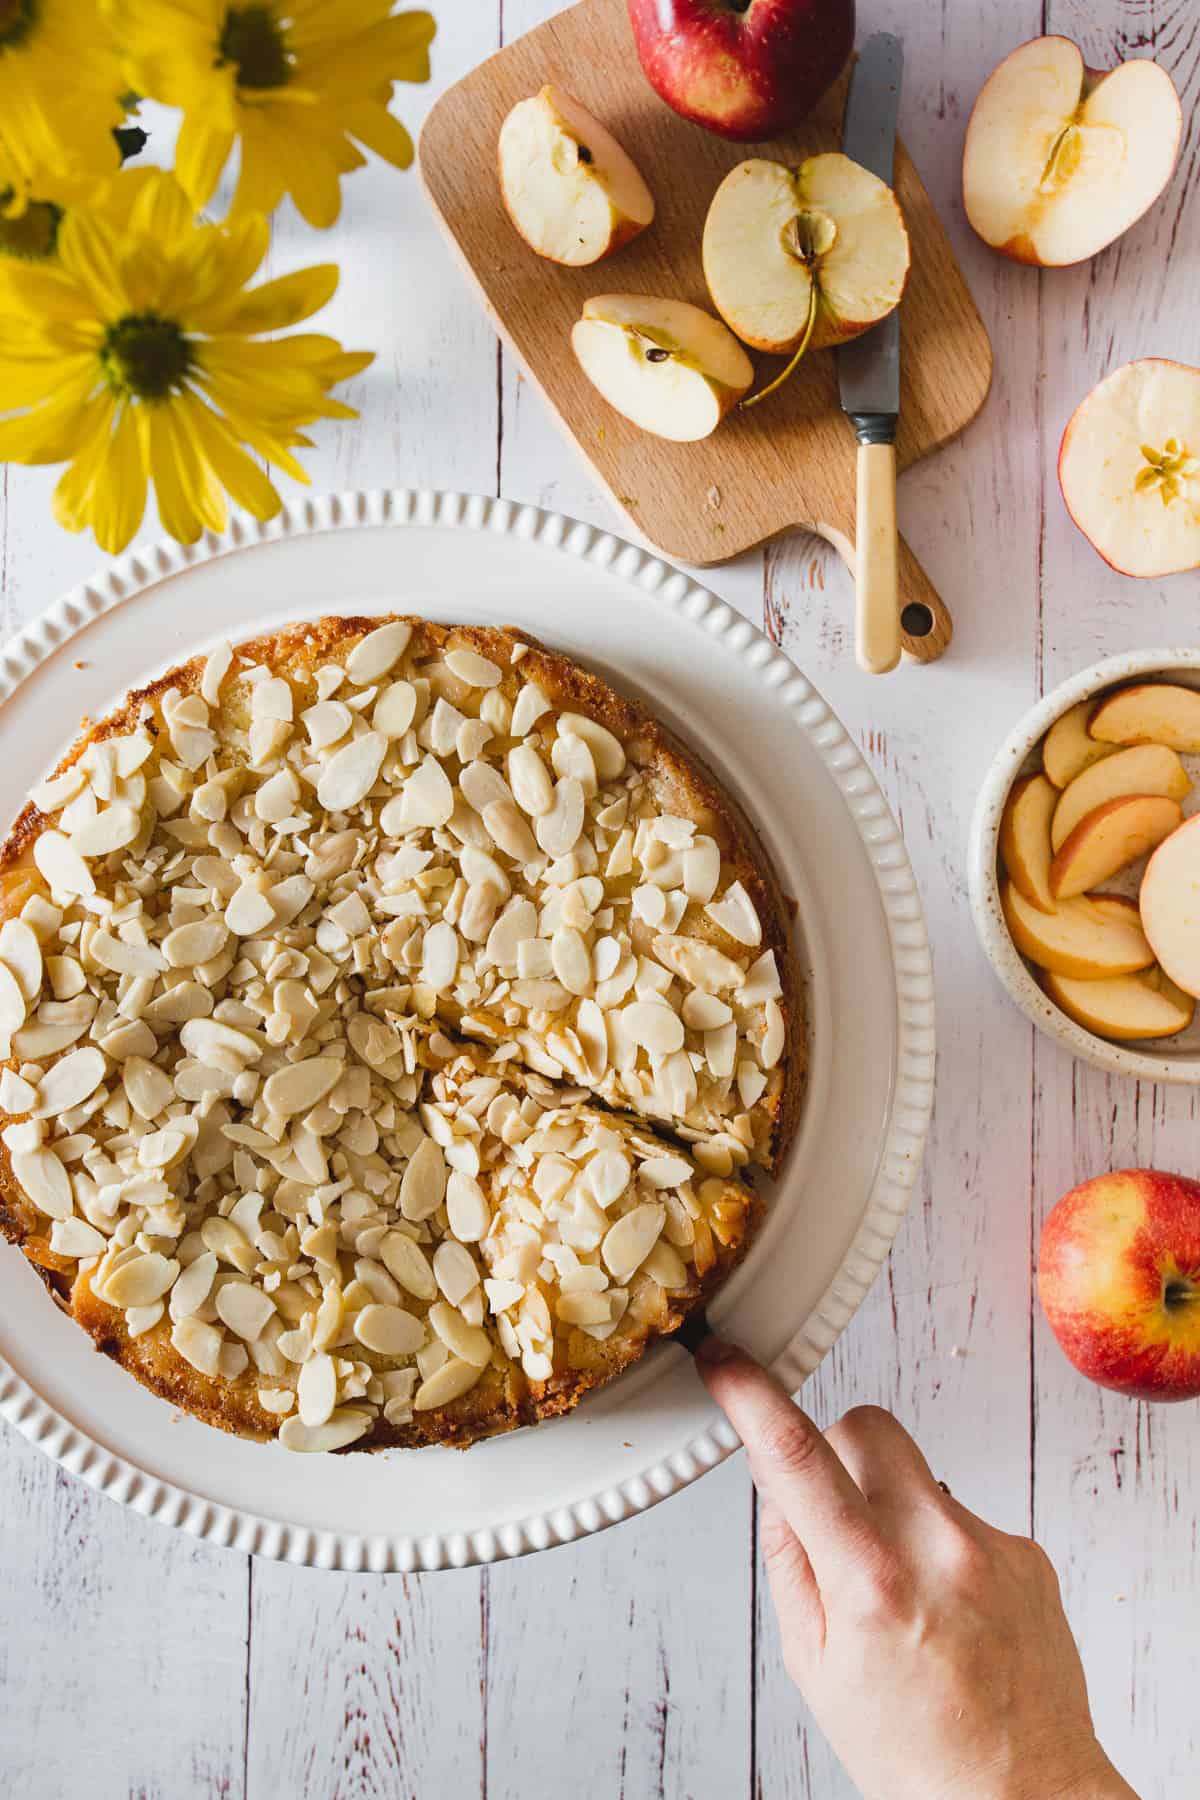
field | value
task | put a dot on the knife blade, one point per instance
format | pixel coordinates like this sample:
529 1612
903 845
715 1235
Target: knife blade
869 373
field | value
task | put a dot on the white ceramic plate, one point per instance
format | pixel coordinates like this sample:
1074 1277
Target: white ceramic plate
1174 1059
847 1180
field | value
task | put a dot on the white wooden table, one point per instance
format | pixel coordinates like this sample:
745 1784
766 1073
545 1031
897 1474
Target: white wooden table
645 1662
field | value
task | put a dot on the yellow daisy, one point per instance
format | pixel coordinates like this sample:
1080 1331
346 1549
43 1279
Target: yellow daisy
139 356
60 86
300 84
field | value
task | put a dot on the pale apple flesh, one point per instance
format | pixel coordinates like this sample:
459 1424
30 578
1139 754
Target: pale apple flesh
1119 1280
1155 712
571 190
1129 469
1170 906
1025 839
1092 937
814 255
1068 749
1059 159
1128 1008
747 69
1110 838
1143 769
666 365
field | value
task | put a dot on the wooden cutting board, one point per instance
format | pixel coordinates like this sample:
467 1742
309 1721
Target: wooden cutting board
789 463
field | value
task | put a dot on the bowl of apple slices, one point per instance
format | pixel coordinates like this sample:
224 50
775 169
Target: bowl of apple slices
1084 865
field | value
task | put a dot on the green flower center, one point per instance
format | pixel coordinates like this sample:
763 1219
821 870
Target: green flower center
253 41
33 234
1170 470
145 356
16 21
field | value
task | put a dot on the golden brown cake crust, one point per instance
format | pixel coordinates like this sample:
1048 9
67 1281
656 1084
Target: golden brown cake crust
503 1399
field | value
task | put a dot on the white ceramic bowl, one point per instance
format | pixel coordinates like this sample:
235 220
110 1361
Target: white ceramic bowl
1175 1059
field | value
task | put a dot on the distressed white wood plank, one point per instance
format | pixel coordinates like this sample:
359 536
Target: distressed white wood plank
1114 1481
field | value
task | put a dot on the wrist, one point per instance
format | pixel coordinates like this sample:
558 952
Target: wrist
1082 1772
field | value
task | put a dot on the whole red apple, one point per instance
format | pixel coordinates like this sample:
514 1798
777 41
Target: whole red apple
1119 1278
748 69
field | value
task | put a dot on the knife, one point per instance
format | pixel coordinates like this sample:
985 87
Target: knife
869 374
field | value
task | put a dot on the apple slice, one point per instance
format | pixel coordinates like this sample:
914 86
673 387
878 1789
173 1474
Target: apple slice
1156 712
1125 1007
1170 902
807 257
1061 159
1146 769
1068 750
1110 838
572 192
1025 838
1093 937
671 368
1129 468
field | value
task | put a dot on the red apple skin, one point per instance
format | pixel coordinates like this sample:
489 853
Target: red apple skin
1119 1280
747 71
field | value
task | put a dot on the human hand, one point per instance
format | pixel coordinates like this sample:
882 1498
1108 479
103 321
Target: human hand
933 1650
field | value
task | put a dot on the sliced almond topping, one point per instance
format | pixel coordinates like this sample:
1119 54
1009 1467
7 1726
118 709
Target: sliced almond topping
470 1342
653 1025
141 1281
298 1086
629 1242
316 1390
65 1084
665 1171
408 1263
466 1207
583 1309
192 1288
395 709
532 788
704 1012
608 1175
199 942
198 1344
426 798
509 830
344 1426
45 1180
21 954
62 865
423 1185
350 774
475 670
110 830
455 1378
374 655
734 912
558 830
389 1330
699 964
606 749
216 668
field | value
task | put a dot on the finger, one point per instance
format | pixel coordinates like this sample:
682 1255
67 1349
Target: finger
792 1465
885 1463
793 1586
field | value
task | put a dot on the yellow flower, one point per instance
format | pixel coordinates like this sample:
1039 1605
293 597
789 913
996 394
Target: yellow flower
139 356
298 83
60 81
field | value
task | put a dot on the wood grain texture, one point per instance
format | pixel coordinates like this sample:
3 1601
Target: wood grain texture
173 1671
790 462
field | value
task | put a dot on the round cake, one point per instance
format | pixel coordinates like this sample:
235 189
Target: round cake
389 1015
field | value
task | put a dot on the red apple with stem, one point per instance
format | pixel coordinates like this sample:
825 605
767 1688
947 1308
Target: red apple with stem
747 69
1119 1279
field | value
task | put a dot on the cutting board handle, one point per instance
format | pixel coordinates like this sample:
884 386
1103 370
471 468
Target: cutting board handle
926 627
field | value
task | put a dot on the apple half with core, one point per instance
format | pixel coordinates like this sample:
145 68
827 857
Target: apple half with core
570 189
746 69
1119 1280
1061 159
1129 468
808 257
1170 904
667 365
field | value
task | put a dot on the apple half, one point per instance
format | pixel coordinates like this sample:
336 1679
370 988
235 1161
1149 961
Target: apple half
1093 937
1129 468
808 257
1025 838
1068 749
1153 712
1144 769
1170 904
1126 1007
1061 159
570 189
667 365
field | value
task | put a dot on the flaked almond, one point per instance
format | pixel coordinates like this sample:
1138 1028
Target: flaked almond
327 723
141 1281
653 1025
406 1260
470 1342
62 865
571 959
426 799
21 954
395 709
70 1081
630 1240
606 749
608 1175
350 773
111 829
198 1344
699 964
42 1177
532 788
704 1012
389 1330
466 1207
455 1378
734 912
298 1086
199 942
475 670
316 1390
424 1183
509 831
377 653
344 1426
558 831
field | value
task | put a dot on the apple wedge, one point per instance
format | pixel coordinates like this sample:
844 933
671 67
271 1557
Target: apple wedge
1068 750
671 368
1156 712
804 258
1061 159
570 189
1145 769
1170 903
1110 838
1126 1007
1093 937
1129 468
1025 838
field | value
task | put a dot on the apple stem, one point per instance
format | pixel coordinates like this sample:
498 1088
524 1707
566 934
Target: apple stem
779 380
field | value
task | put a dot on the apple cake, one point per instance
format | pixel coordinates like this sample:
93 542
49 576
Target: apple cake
389 1013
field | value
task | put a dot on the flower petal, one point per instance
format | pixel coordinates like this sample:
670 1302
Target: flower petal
201 152
276 304
118 499
88 251
246 483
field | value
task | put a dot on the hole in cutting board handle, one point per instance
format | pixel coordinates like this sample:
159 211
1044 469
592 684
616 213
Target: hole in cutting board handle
917 619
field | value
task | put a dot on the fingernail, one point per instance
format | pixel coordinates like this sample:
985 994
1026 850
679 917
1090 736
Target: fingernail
716 1350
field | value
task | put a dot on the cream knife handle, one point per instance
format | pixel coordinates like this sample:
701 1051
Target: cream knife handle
877 639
